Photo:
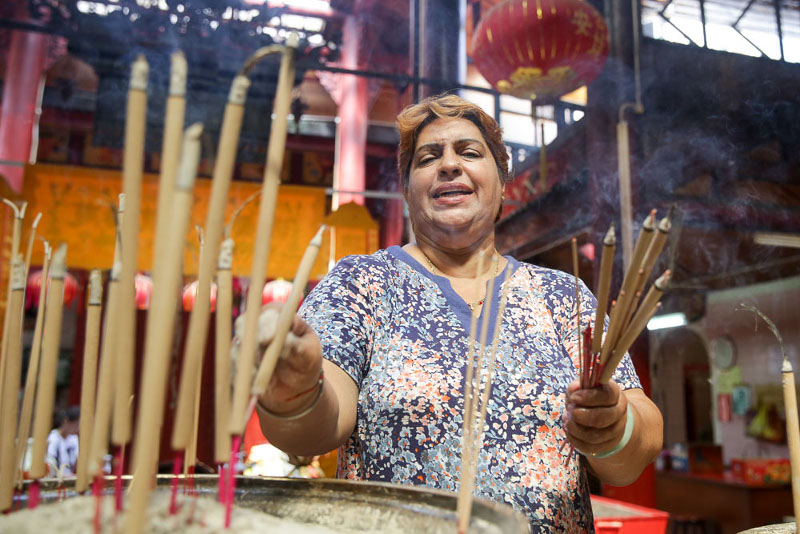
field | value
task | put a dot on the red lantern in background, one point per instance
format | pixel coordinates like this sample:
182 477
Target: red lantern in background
143 285
276 291
34 286
540 50
190 294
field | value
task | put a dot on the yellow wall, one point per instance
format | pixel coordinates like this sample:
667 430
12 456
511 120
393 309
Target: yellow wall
75 204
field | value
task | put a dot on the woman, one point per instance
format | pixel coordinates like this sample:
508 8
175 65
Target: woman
390 333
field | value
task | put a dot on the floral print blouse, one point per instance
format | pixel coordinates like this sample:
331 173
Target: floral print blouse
402 334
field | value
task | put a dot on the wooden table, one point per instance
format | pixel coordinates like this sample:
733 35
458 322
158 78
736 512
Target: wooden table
734 505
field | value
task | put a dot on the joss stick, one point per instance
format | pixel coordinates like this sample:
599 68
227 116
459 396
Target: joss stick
266 216
198 320
620 310
16 233
473 337
222 369
648 262
104 402
606 266
577 303
132 163
31 239
13 375
472 386
160 325
46 388
171 144
89 378
33 371
626 215
542 164
645 312
790 407
476 432
286 316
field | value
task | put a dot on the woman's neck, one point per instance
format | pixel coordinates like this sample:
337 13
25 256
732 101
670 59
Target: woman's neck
458 263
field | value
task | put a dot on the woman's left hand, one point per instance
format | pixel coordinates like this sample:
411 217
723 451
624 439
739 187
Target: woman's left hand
594 419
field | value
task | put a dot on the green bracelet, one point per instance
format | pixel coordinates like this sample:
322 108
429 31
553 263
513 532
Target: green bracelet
626 437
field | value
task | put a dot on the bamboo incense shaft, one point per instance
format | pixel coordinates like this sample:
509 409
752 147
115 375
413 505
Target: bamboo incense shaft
132 166
158 341
792 432
574 244
542 162
13 375
89 377
648 262
464 503
606 266
16 235
104 403
198 320
267 366
171 144
266 216
626 210
31 239
222 360
46 388
473 337
620 310
643 315
33 370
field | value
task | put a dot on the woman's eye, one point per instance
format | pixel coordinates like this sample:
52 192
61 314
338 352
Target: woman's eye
471 154
425 159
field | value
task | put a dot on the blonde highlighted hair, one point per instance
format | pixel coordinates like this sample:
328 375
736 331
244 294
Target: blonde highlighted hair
413 119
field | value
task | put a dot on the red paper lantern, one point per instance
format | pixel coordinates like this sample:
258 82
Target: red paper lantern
143 285
34 286
276 291
190 294
540 50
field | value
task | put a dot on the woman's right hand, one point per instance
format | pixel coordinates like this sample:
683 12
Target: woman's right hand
298 368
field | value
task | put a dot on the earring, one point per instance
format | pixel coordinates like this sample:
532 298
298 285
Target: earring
502 199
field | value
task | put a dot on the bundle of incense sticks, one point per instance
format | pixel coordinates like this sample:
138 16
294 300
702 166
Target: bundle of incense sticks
630 313
477 388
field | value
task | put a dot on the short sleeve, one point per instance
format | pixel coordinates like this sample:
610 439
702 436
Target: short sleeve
340 310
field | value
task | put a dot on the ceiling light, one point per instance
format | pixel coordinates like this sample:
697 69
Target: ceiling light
668 320
777 240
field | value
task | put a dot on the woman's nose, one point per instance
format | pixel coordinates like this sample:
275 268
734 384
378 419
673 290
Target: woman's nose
449 164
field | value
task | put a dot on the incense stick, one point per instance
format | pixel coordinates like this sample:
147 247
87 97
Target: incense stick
198 320
266 216
16 233
46 388
31 239
160 325
10 401
222 360
606 266
471 340
26 415
89 378
574 244
474 438
132 167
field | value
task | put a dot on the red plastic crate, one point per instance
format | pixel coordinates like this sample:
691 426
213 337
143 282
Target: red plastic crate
617 517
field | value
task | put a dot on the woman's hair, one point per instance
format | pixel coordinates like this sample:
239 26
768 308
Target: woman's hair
412 120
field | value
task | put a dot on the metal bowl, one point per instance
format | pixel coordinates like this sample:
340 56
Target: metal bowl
347 505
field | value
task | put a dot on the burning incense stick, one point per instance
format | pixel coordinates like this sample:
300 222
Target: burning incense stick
606 266
46 388
31 239
648 262
473 440
171 144
574 244
626 215
89 378
267 366
16 233
620 310
266 216
13 363
198 320
132 164
104 403
26 414
160 324
222 362
790 407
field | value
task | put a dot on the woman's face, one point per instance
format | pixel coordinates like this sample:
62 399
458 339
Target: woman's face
454 189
